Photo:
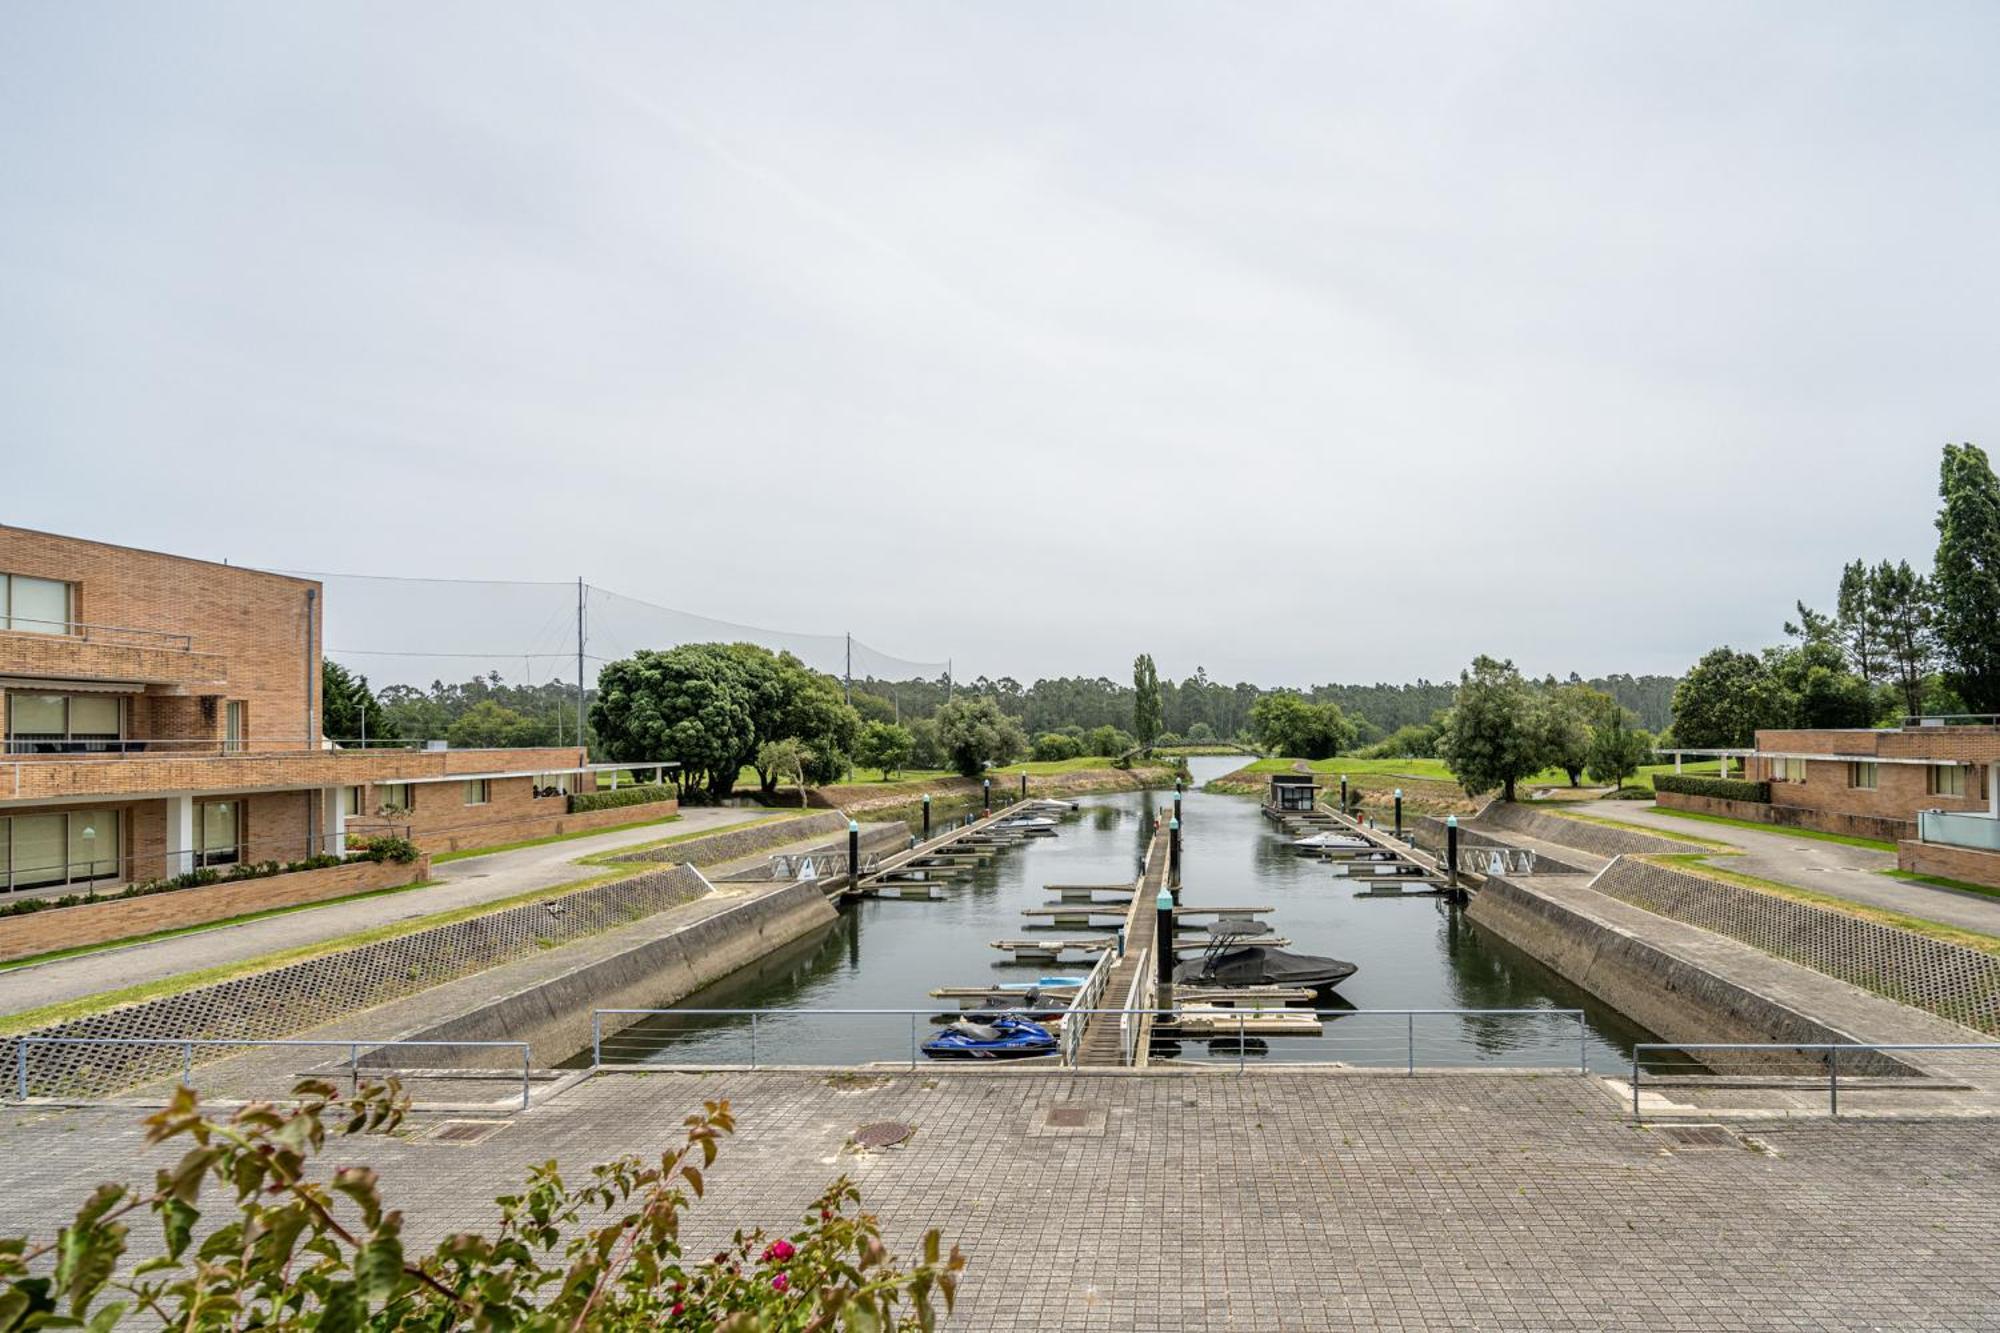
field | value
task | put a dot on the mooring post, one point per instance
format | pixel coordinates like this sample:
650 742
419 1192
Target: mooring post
853 853
1163 931
1024 784
1177 798
927 816
985 797
1343 793
1174 852
1399 814
1451 850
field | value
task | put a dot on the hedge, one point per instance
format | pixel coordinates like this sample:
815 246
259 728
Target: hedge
400 850
581 801
1722 789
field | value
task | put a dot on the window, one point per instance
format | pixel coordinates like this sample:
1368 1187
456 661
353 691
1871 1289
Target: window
219 833
1947 780
551 784
64 723
1788 770
394 798
478 791
35 606
1863 774
76 846
233 730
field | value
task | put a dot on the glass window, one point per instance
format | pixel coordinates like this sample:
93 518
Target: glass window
394 797
478 792
552 784
36 606
1947 780
93 845
37 851
232 726
1862 774
35 722
94 718
220 833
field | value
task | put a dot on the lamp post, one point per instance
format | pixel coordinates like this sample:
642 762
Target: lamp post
1163 934
985 797
1343 793
1174 852
927 816
1451 850
1399 814
853 852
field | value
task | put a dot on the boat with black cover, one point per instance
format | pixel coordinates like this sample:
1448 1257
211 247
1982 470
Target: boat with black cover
1229 961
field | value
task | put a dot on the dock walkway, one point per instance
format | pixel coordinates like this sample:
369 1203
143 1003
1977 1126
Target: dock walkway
1103 1043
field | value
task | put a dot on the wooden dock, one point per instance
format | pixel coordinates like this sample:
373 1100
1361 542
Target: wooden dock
948 856
1104 1042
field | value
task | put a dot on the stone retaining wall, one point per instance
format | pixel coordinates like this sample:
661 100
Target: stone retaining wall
1949 980
1599 839
731 844
1792 816
116 919
1428 832
1961 863
291 999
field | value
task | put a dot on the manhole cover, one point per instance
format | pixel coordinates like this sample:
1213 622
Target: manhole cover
882 1134
1697 1136
466 1131
1068 1117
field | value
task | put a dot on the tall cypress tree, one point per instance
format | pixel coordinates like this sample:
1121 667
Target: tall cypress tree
1967 582
1145 700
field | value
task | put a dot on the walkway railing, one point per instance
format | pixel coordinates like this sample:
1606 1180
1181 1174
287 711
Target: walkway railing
749 1035
188 1045
1088 998
1832 1052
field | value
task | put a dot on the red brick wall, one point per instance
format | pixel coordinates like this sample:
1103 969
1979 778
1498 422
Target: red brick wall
1793 816
442 822
68 927
1962 863
1901 790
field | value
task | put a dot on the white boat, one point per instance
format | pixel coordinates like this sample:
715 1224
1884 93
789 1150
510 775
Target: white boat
1317 841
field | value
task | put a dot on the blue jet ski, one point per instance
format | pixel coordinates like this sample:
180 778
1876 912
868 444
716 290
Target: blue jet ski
1001 1039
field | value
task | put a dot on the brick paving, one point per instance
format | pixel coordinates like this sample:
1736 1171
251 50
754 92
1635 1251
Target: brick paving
1273 1201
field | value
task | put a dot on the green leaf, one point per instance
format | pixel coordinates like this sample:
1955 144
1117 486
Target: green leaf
378 1268
177 1221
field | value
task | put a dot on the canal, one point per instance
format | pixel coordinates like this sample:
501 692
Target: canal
1413 953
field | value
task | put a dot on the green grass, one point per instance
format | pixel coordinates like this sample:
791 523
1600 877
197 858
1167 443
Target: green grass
1434 770
442 857
64 1011
1640 828
1697 863
779 817
1940 882
56 955
1782 830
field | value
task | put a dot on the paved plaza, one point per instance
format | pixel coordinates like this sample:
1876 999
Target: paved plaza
1271 1201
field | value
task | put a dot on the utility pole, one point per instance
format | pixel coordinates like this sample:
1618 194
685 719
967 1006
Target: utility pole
847 680
947 680
579 664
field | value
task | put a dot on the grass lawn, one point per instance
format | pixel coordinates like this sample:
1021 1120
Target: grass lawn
1697 863
1638 828
1433 770
443 857
1940 882
777 817
1782 830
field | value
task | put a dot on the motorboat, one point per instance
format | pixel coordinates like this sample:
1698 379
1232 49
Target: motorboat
1004 1038
1325 842
1231 961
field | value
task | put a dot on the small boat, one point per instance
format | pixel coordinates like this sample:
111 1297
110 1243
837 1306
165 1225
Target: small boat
1026 822
1230 962
1317 842
1002 1039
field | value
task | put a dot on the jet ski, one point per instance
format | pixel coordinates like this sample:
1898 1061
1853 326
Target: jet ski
1231 962
1002 1039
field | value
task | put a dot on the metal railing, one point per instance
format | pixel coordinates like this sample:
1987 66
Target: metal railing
1129 1026
1958 828
187 1045
77 629
1950 720
1830 1049
1399 1052
1087 996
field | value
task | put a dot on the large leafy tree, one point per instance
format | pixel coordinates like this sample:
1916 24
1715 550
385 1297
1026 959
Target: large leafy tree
1617 748
1725 698
489 724
1145 700
1967 576
693 704
975 734
1494 734
789 701
1814 688
1287 724
1568 713
883 746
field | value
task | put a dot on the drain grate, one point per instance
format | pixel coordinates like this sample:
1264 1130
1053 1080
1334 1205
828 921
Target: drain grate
1698 1136
882 1134
466 1131
1067 1117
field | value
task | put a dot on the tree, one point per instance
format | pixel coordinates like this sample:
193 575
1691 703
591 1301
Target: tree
1567 714
1108 741
348 709
1967 576
489 725
975 734
1724 699
1493 735
1054 747
1200 733
791 701
883 746
1617 748
693 704
1286 724
296 1249
1145 700
784 758
1857 622
1815 688
1901 603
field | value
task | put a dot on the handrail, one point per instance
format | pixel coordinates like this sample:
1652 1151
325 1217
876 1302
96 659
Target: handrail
1126 1015
1087 996
1832 1049
67 627
1129 1028
187 1044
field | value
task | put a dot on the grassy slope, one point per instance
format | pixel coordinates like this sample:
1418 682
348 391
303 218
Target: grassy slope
1698 864
1784 830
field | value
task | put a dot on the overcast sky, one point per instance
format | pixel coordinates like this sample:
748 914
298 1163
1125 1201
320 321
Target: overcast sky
1306 342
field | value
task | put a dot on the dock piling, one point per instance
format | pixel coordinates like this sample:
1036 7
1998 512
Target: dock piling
1451 850
1343 793
927 816
1399 814
1024 784
985 798
1163 931
1174 852
853 852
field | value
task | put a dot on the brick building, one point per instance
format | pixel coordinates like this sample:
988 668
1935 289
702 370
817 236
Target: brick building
162 713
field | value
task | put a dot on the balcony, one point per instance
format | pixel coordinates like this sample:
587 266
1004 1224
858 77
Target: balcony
106 653
208 767
1950 828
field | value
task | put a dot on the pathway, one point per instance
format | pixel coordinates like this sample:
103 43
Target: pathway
1811 863
462 883
1272 1201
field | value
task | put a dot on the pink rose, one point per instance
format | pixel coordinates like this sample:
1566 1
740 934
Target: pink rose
780 1282
779 1250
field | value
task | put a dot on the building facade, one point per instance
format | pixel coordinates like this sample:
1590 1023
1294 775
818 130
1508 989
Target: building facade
162 713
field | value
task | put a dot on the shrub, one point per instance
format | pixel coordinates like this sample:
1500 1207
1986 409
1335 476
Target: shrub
400 850
1723 789
1053 747
617 798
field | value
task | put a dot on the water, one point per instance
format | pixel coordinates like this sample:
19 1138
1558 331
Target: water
1414 953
